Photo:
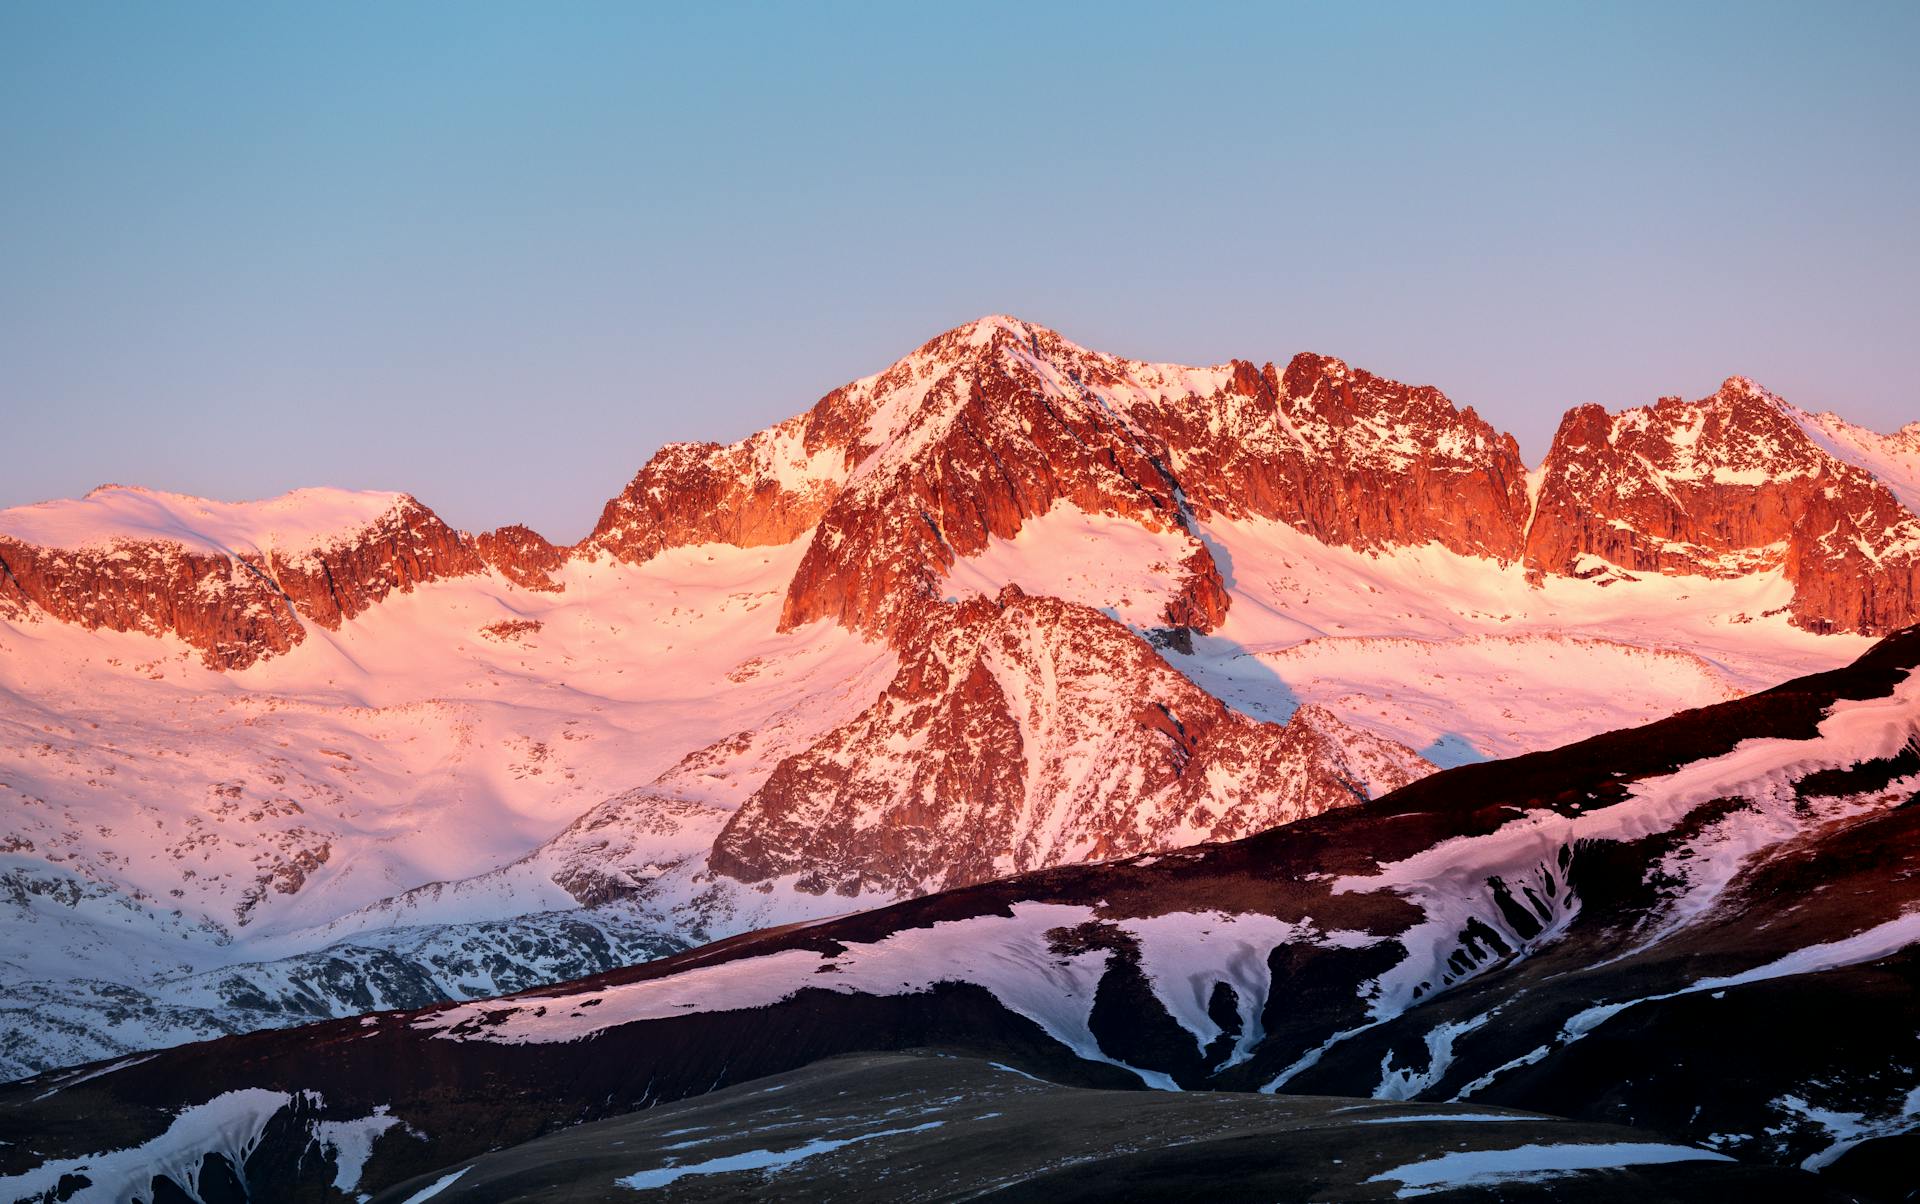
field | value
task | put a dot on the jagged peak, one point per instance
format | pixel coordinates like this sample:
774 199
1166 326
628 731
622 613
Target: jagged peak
969 340
1673 418
981 330
997 334
1746 387
1331 367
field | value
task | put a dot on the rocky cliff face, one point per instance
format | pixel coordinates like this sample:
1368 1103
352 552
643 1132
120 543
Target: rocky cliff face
999 421
523 556
235 602
769 488
223 607
1349 457
1026 732
977 431
338 580
1733 484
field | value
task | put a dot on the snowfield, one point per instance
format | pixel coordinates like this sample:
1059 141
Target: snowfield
291 524
446 757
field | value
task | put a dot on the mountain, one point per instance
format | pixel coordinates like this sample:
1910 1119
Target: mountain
1065 739
1702 930
1009 604
894 477
1720 486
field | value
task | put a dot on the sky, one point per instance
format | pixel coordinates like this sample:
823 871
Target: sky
497 254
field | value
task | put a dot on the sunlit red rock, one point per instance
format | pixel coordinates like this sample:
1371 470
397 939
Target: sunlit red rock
1023 732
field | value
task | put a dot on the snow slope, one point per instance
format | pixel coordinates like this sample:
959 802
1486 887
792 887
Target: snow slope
1660 924
1458 657
291 524
1894 459
161 821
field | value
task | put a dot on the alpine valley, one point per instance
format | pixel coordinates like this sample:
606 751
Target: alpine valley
1026 774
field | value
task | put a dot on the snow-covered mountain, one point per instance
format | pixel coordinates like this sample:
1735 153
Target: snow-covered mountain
1009 604
1703 930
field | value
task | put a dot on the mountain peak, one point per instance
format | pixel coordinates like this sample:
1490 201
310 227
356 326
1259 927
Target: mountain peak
983 328
1745 386
986 331
1310 364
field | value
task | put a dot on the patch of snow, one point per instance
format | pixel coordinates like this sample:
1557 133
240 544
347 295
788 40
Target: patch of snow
760 1160
1405 1084
1408 1118
1098 560
435 1188
1011 1070
1531 1164
1850 1129
351 1143
1184 955
1881 940
229 1125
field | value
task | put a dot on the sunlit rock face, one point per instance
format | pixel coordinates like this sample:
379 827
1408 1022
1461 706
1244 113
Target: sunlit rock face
1734 484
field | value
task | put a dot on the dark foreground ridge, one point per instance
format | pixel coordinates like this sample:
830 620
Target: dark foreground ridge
927 1127
1702 930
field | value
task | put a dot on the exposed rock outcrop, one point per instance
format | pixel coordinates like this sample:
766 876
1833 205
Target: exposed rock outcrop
1023 732
521 555
769 488
1351 458
1733 484
234 602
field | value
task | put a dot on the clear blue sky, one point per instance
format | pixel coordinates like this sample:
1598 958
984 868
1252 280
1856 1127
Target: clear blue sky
497 254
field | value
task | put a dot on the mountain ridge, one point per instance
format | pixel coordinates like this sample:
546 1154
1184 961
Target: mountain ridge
1609 488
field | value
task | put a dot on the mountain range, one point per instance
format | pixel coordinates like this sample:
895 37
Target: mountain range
1003 641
